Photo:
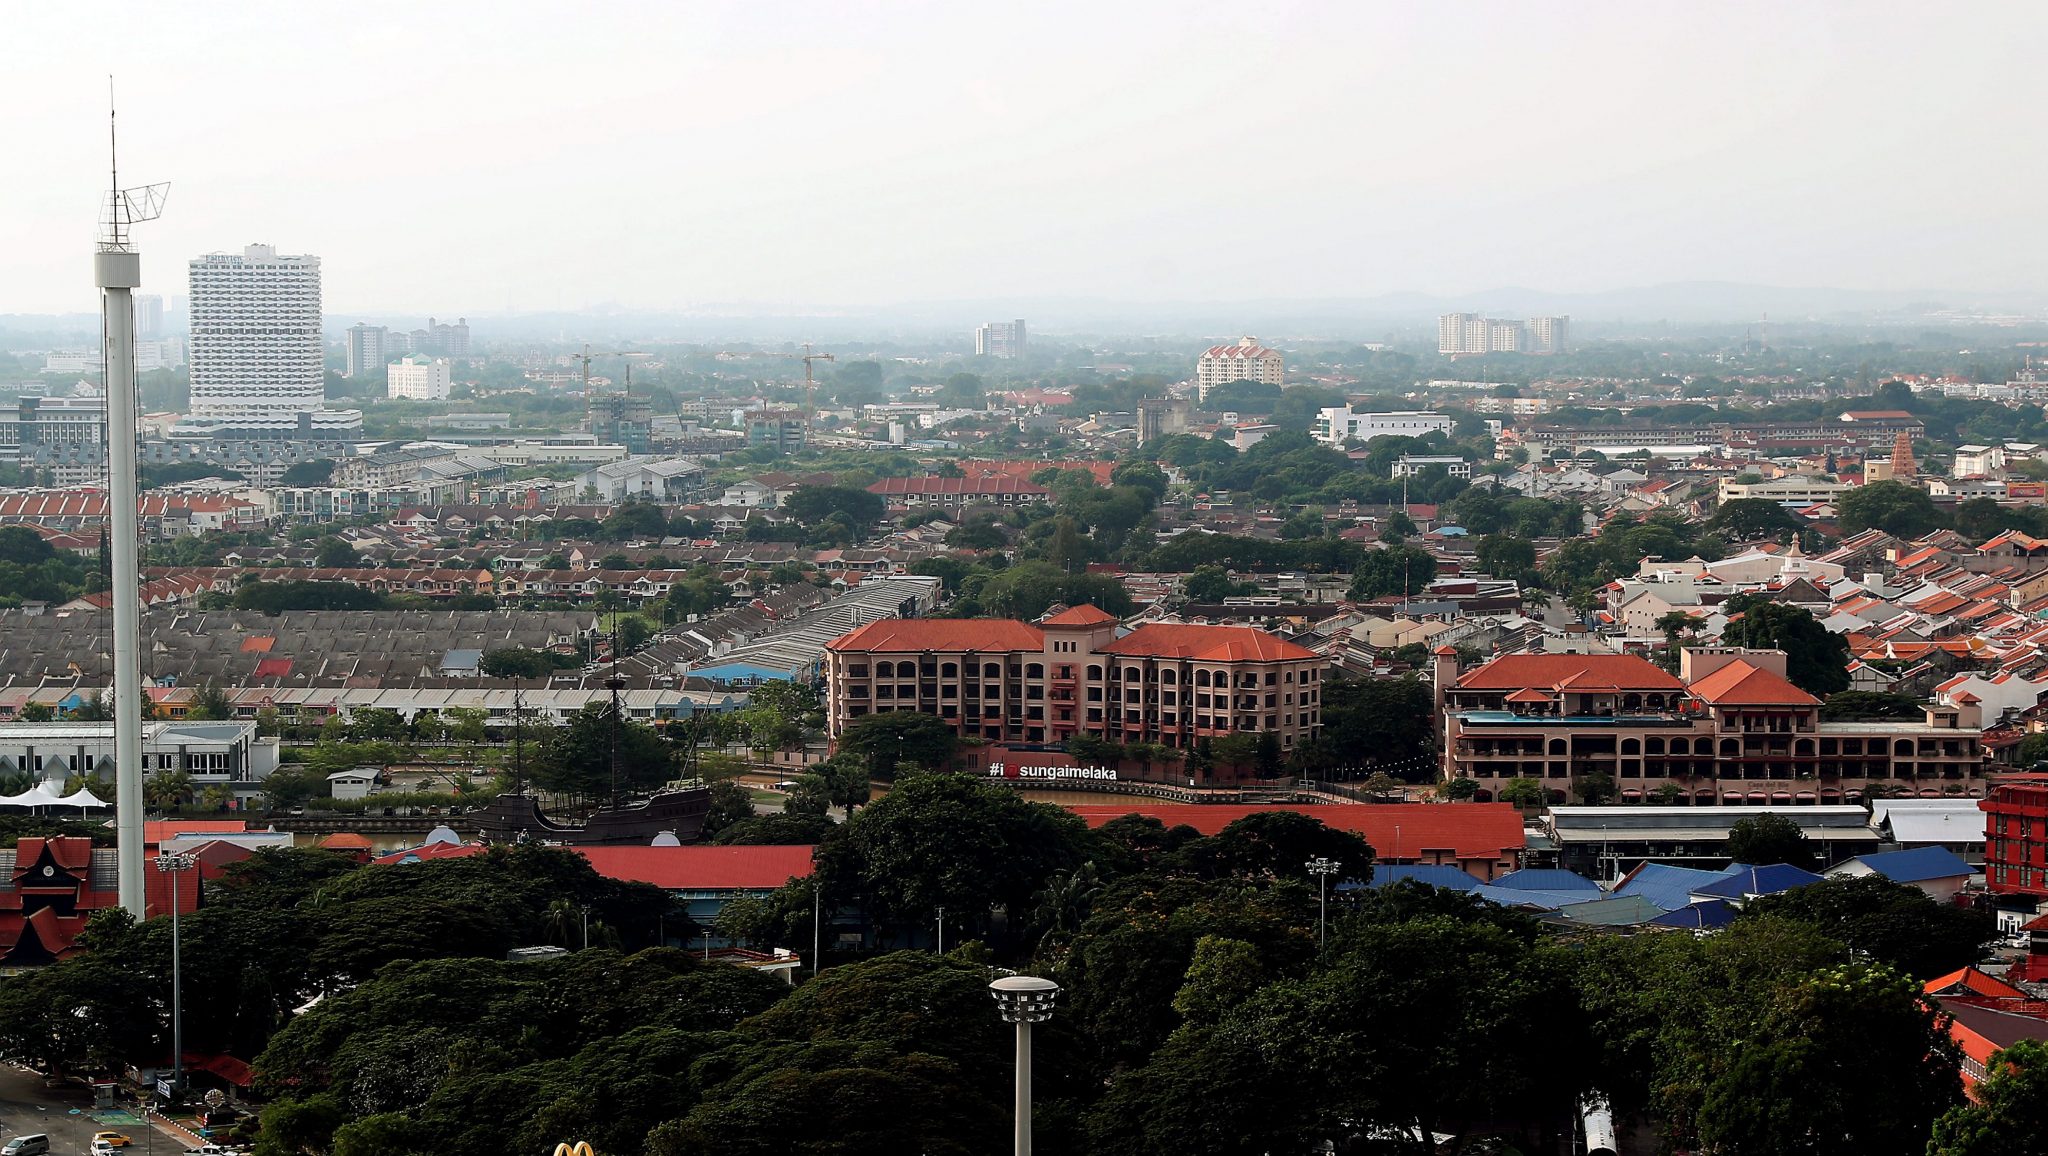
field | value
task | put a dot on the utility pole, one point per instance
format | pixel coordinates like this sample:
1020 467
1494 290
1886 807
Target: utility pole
1322 869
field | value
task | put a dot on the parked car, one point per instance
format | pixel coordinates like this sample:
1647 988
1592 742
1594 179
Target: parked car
33 1144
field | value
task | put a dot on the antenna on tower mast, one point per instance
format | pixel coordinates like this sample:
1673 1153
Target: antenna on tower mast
125 207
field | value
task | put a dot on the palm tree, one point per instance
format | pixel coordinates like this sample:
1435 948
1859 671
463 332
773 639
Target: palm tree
558 923
217 797
17 782
167 790
1064 904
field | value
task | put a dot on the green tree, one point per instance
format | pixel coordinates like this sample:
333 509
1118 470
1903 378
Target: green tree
318 472
1850 1062
334 553
1767 839
1752 519
1894 923
1026 590
963 390
1524 793
515 662
1851 705
576 758
211 703
1892 506
813 504
1212 584
939 839
1817 659
731 802
881 741
1393 570
1506 556
36 712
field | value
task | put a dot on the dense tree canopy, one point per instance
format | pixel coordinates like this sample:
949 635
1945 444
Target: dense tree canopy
1894 507
1817 658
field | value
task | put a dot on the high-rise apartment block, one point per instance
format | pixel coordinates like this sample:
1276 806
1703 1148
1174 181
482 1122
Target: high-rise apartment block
1549 334
1003 339
149 316
1458 333
1245 361
438 340
258 366
368 349
418 379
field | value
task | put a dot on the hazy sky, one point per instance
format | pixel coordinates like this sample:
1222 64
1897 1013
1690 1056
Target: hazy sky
461 157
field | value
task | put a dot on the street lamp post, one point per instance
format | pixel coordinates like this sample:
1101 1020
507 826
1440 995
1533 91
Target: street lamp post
586 926
171 863
1024 1000
942 929
1322 869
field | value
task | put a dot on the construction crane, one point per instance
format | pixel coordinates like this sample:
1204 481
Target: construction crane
586 356
810 385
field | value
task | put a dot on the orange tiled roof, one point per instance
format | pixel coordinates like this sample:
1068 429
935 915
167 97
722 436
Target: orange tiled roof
1214 643
1082 615
1585 671
1743 684
961 634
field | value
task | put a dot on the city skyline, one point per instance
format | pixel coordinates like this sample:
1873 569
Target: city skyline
818 159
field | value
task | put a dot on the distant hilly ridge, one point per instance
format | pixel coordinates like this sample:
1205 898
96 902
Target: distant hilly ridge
1678 302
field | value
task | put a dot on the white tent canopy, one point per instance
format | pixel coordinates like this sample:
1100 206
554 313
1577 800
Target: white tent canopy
40 796
81 798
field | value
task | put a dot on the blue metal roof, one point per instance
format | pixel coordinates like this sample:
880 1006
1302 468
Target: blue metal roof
1669 887
1546 879
1514 897
1706 915
1916 865
1743 880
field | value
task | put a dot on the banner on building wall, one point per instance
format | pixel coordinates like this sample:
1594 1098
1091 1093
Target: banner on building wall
1020 771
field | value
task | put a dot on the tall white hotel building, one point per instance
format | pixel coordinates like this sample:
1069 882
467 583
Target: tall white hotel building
256 358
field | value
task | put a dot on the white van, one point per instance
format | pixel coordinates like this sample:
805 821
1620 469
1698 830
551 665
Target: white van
35 1144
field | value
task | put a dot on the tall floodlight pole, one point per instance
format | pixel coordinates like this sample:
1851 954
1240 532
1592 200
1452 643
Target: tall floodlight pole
118 270
1322 869
173 863
1024 1000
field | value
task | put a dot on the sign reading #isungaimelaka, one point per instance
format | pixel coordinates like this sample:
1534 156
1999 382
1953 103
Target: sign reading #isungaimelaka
1019 771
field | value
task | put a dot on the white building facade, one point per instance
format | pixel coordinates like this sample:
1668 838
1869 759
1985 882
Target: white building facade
417 379
1339 424
257 361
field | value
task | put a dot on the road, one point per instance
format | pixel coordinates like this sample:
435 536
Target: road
26 1107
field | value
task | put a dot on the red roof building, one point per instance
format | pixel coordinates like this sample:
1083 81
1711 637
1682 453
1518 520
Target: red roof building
2016 839
1005 681
50 888
1985 1015
703 868
1730 729
1483 839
